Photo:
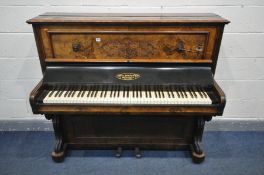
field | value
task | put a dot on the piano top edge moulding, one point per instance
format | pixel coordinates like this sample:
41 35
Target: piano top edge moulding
128 38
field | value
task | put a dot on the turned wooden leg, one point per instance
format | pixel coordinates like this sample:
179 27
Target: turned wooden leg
59 152
196 148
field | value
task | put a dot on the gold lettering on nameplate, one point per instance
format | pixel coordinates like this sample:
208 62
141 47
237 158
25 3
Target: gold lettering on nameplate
127 76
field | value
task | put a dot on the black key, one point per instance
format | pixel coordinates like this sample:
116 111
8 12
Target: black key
177 92
114 90
105 90
184 92
64 89
61 91
170 88
182 95
193 92
199 92
57 93
111 91
52 92
203 91
136 88
168 92
190 92
115 93
84 89
140 91
102 92
159 92
127 91
149 90
74 91
93 91
67 91
71 91
89 91
96 89
146 91
200 89
118 90
162 91
80 91
133 91
155 90
124 91
195 95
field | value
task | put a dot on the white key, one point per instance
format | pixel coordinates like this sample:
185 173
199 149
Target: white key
45 100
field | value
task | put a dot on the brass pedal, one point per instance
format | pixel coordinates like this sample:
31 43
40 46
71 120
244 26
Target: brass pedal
119 152
137 152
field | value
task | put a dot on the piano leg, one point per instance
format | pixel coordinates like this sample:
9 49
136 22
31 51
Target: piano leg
59 152
196 148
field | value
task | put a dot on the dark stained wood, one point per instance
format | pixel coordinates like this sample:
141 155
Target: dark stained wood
222 96
179 44
34 94
129 110
218 39
182 39
118 60
60 146
128 18
151 45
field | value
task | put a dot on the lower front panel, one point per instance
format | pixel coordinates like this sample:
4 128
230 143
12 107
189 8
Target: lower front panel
146 132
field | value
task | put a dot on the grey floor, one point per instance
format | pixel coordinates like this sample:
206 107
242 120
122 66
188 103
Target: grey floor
236 153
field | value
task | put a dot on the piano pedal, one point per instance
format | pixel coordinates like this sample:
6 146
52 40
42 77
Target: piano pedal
118 152
137 152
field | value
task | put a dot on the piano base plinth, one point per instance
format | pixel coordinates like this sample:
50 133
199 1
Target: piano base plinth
157 132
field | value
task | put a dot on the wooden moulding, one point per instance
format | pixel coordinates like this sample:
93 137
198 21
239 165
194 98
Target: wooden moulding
61 60
192 18
129 110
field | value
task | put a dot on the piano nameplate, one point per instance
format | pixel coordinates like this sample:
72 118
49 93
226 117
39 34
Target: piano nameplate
127 76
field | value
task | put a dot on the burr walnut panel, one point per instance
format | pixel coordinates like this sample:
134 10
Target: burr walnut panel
84 45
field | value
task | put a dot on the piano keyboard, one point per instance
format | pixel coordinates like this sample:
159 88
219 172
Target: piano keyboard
128 95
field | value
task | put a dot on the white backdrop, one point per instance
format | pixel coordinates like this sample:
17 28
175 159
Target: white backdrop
239 72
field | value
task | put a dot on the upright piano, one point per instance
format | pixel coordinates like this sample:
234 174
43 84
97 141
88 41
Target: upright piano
128 81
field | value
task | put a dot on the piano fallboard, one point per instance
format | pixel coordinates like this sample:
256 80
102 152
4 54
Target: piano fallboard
81 74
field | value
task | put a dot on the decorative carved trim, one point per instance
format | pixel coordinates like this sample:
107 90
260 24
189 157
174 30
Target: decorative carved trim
127 48
130 48
59 145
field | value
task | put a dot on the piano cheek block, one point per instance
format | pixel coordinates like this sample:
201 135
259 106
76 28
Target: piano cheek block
105 87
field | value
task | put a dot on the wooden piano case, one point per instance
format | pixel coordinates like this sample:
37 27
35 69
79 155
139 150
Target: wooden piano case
178 39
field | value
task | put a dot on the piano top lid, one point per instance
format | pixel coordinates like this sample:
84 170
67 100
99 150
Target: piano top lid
128 18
